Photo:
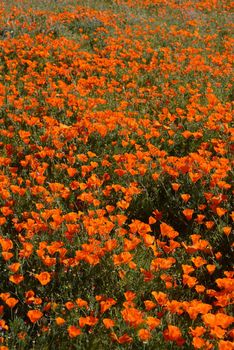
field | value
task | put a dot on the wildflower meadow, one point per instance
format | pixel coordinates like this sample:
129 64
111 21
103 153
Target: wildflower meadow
116 175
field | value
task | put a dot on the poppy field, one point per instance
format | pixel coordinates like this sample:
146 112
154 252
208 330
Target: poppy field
116 173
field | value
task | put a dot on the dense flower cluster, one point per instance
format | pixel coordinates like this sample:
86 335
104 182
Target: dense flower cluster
116 174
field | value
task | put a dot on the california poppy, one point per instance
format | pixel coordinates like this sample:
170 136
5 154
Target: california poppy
34 315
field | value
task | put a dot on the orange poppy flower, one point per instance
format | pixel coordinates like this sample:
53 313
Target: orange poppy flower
217 332
152 322
14 267
82 303
11 302
144 334
69 305
175 186
132 316
6 244
218 319
129 295
44 278
124 339
227 230
7 255
160 297
225 345
149 305
89 320
167 230
60 321
5 296
34 315
210 268
122 258
200 288
198 343
173 333
198 331
16 279
106 304
185 197
3 325
198 261
71 171
187 269
189 281
188 213
73 331
220 211
108 323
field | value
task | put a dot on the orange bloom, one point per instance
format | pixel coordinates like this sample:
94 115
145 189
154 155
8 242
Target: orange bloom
210 268
132 316
7 255
227 230
6 244
167 230
3 325
89 320
44 278
220 211
106 304
60 321
188 213
198 343
217 332
71 171
200 288
198 331
173 333
185 197
73 331
160 297
187 269
218 319
11 302
122 258
175 186
82 303
16 279
14 267
198 261
5 296
144 334
108 323
149 305
162 263
129 295
225 345
190 281
152 322
124 339
69 305
34 315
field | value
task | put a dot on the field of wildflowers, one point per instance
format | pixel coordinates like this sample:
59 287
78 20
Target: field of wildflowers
116 172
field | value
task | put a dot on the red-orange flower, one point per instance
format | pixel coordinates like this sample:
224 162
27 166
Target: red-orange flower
108 323
11 302
73 331
44 278
144 334
132 316
34 315
173 333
